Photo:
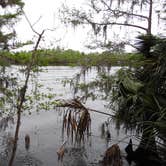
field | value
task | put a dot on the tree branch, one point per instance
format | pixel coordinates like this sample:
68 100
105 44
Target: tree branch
116 23
81 17
30 23
130 14
122 12
126 24
20 101
21 97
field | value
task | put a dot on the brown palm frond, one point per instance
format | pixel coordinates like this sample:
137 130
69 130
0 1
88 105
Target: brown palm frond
76 120
77 106
83 125
112 156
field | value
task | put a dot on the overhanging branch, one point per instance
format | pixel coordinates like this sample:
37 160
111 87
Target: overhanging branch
116 23
122 12
126 24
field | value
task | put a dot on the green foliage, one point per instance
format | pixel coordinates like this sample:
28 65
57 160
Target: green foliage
145 108
73 58
145 44
130 86
137 95
11 3
10 91
8 18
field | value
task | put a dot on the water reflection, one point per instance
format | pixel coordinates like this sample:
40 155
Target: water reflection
28 160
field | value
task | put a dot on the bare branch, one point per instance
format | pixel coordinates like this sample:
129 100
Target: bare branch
31 26
21 99
37 21
82 18
126 24
129 14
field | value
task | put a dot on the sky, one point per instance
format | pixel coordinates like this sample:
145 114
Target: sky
44 15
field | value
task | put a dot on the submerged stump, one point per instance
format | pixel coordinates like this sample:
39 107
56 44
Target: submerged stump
27 142
112 156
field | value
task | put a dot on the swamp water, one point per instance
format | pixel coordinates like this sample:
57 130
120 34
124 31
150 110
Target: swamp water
45 127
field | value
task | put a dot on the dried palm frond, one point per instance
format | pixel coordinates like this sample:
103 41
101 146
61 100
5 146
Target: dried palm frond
83 125
76 104
112 156
76 119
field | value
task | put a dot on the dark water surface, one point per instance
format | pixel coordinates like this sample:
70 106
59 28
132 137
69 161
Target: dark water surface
45 128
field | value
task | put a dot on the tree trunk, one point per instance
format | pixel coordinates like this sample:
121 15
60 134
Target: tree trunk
150 17
21 100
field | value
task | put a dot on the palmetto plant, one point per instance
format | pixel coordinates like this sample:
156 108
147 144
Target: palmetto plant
145 44
138 97
141 98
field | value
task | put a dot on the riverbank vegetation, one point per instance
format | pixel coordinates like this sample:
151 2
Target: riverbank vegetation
72 58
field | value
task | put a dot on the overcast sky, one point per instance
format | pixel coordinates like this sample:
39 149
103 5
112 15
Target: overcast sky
46 15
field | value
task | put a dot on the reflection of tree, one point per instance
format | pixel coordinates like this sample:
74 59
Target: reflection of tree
6 149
